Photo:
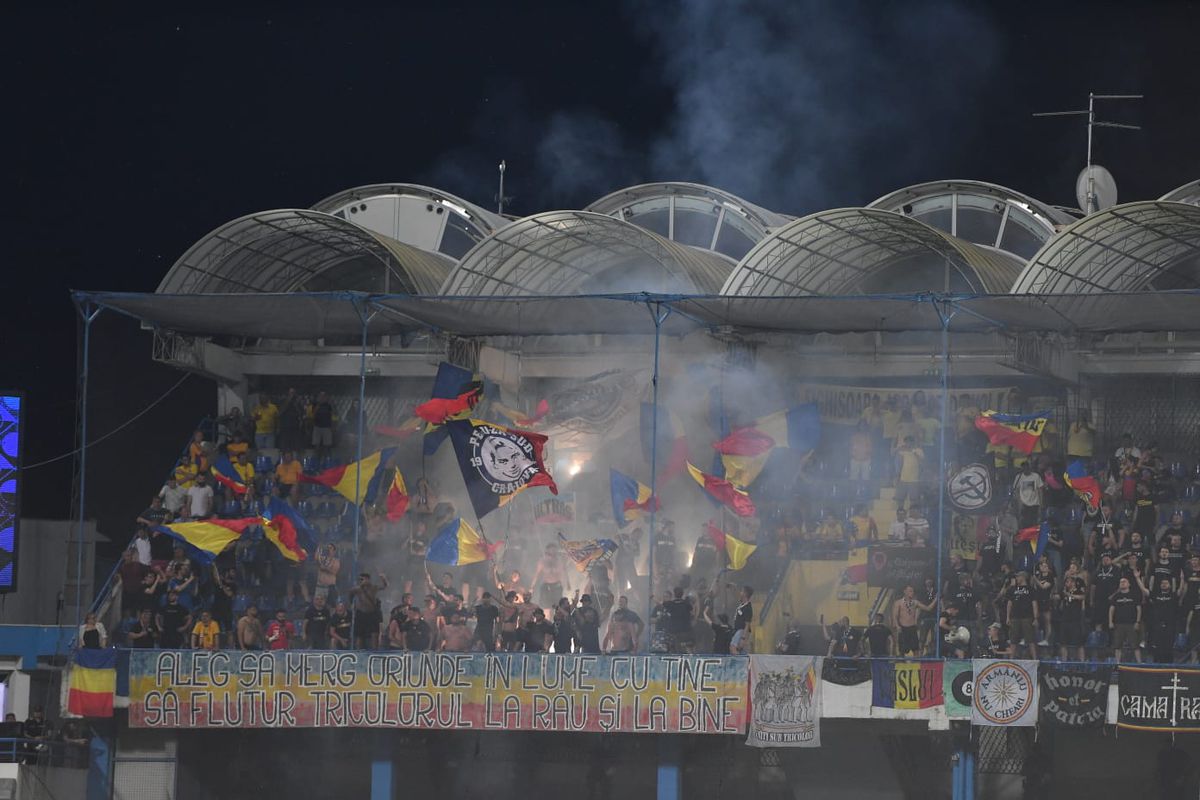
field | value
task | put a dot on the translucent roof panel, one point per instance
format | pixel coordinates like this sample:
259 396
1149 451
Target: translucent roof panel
294 250
983 213
1188 193
1127 248
867 251
692 214
575 252
420 216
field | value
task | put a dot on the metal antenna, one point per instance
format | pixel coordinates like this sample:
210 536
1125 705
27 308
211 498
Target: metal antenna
500 198
1092 122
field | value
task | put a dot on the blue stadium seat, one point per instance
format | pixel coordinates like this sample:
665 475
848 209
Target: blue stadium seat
305 507
232 509
309 464
268 486
264 465
329 462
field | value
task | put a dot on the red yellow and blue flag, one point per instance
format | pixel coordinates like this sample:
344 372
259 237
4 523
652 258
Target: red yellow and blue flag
208 538
449 384
1037 535
358 482
288 530
631 499
225 474
93 682
397 497
457 544
744 452
724 492
1018 431
1084 485
737 550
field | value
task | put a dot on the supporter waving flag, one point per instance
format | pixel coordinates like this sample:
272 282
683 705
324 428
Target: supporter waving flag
208 538
1018 431
1083 484
358 482
584 553
226 475
631 499
288 530
724 492
498 463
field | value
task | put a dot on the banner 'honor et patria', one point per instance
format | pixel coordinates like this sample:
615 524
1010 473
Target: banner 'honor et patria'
1074 698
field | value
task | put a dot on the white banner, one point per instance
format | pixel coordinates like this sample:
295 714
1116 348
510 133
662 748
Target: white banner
1005 692
785 694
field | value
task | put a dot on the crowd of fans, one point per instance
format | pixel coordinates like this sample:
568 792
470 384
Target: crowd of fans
249 597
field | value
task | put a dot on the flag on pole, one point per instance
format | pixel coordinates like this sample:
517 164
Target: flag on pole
225 474
745 451
457 543
1084 485
498 463
397 497
1018 431
724 492
287 529
631 499
737 550
450 382
588 551
437 410
343 479
207 538
1037 536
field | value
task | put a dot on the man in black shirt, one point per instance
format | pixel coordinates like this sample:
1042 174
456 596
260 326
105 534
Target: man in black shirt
722 634
486 615
1022 611
538 633
316 624
417 635
587 626
744 615
174 622
1104 584
340 623
967 602
1164 621
997 645
144 632
843 639
948 630
879 638
679 615
1124 615
1164 567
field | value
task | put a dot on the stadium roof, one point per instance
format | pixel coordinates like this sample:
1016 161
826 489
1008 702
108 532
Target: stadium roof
866 251
1188 193
298 250
578 252
983 213
693 214
309 316
1141 246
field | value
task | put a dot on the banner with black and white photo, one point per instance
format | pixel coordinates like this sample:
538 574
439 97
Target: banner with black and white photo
1074 698
1158 699
786 701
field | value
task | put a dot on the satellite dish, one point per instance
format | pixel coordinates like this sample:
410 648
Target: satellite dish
1104 189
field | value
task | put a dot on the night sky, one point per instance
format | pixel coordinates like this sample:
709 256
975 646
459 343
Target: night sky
137 132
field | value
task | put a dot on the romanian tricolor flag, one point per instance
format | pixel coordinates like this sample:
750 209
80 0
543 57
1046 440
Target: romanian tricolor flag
724 492
402 431
288 530
672 451
523 420
744 452
588 551
737 550
1037 536
344 479
457 544
1018 431
93 681
450 383
630 498
1083 484
397 497
438 410
208 538
226 475
906 684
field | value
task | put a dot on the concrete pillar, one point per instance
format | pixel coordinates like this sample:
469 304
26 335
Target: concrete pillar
99 777
381 778
16 695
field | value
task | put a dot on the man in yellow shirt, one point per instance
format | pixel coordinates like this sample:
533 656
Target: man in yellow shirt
287 473
908 466
1081 438
244 469
266 415
206 635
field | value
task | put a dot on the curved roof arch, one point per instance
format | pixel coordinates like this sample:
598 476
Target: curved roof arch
421 216
1188 193
578 252
294 250
983 213
1143 246
692 214
867 251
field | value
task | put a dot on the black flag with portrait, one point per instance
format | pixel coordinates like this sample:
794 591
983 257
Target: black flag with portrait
498 463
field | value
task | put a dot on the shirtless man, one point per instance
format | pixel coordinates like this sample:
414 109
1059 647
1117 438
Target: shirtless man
513 584
456 638
509 616
905 613
432 614
624 629
250 630
549 575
